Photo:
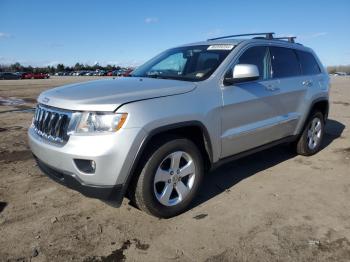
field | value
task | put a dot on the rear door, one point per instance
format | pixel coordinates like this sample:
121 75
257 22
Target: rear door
286 69
312 74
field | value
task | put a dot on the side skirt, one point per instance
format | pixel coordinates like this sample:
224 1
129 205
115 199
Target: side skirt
225 160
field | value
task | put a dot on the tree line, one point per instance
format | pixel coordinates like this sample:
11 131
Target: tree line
17 67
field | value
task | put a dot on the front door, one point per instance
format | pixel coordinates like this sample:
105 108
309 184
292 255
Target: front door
249 111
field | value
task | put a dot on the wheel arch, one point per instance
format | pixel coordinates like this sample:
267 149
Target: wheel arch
321 104
193 130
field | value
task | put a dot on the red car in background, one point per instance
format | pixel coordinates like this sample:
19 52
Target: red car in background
27 76
127 72
40 76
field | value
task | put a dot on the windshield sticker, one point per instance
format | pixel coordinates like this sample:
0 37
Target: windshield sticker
199 75
220 47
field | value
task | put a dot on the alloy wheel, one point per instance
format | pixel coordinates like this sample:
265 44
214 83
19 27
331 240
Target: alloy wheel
174 178
314 133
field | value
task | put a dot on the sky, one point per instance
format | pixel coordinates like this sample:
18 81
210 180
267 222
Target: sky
41 33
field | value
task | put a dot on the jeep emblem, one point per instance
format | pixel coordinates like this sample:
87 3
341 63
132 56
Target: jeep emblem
46 99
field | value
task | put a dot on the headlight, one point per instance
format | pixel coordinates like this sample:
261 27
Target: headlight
95 122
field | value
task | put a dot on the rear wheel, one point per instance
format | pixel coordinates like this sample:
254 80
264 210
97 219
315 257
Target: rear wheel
310 141
170 178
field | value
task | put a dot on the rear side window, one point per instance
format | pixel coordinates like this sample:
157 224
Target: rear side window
309 66
258 56
284 62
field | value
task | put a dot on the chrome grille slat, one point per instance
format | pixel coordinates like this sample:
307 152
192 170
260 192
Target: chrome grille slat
45 122
36 117
51 124
58 125
41 115
54 118
65 123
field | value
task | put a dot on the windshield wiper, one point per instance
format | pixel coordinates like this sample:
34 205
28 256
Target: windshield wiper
158 76
152 76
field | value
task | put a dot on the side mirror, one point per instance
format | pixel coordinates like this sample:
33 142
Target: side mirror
242 73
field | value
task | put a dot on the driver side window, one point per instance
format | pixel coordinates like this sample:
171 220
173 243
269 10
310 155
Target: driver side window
259 56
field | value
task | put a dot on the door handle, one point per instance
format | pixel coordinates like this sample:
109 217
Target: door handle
307 83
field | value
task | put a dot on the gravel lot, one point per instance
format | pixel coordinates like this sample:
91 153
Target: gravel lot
270 206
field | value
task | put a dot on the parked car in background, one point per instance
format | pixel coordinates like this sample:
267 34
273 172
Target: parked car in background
40 76
127 72
80 73
102 73
9 76
120 72
26 76
115 72
340 74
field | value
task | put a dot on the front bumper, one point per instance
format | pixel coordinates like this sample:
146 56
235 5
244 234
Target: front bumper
113 194
114 155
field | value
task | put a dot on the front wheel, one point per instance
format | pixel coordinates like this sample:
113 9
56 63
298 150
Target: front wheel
170 178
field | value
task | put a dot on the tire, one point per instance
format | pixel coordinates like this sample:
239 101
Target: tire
310 140
161 188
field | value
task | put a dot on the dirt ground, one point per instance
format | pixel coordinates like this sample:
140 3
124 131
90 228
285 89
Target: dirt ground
270 206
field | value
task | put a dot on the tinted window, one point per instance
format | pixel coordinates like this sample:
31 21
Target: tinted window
308 63
258 56
284 62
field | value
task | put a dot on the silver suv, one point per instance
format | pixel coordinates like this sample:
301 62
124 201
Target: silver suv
152 136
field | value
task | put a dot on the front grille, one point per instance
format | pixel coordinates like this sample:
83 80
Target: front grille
51 124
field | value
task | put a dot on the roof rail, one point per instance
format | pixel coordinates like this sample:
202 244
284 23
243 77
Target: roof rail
291 39
267 36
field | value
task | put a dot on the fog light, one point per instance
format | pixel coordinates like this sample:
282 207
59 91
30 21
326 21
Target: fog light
86 166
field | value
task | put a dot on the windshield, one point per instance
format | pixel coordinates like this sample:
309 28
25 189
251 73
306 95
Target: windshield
189 63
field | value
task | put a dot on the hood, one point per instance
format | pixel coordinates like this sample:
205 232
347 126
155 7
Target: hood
109 94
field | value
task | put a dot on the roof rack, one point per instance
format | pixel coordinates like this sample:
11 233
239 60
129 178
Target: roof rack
291 39
267 36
